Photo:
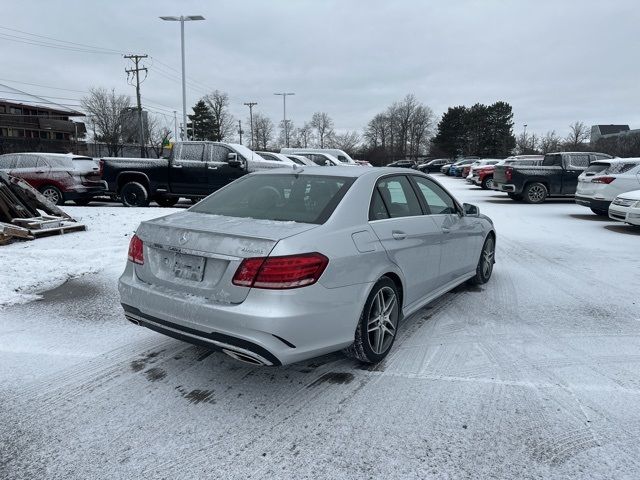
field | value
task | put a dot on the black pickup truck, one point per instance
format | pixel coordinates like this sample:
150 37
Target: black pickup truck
557 176
193 170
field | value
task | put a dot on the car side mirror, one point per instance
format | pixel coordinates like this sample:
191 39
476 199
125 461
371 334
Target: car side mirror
470 210
232 160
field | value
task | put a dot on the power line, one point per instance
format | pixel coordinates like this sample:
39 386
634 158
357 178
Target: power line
14 38
92 47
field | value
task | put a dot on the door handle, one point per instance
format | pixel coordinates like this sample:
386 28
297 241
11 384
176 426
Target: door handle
210 167
446 230
39 171
398 235
175 165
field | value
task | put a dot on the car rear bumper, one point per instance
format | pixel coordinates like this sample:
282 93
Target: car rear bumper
596 204
273 327
625 214
80 192
505 187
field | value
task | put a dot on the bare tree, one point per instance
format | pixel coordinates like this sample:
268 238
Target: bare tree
323 124
157 135
305 135
348 141
579 133
527 144
106 113
262 130
291 133
549 142
224 125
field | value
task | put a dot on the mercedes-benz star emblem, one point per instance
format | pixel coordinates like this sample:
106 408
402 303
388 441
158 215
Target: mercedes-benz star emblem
184 238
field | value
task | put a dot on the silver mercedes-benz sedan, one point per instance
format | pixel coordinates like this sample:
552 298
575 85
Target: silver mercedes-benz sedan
281 266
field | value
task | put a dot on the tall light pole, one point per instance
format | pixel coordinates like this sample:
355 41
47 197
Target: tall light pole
251 105
183 19
284 116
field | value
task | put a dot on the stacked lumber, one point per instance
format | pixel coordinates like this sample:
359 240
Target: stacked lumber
26 214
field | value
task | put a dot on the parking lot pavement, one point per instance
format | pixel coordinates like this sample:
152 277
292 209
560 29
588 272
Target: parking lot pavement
534 375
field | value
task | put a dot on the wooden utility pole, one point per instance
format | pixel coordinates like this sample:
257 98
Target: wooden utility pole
251 105
136 71
240 132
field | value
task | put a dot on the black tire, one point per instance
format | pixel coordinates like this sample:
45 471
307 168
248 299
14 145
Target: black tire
134 194
53 194
485 263
362 348
535 193
515 196
487 183
602 213
82 202
166 201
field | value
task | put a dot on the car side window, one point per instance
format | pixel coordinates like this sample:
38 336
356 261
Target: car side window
398 197
26 161
438 201
377 210
191 152
218 153
8 161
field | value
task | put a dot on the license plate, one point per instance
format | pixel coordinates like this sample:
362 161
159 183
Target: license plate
189 267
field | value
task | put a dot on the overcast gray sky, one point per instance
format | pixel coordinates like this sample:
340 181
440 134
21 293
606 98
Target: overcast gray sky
554 61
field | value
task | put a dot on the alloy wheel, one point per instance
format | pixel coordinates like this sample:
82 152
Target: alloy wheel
536 193
488 252
52 195
382 320
489 183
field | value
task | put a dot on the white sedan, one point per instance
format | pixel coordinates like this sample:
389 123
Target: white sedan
626 208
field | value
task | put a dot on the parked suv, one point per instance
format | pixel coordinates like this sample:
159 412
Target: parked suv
433 165
59 177
605 180
556 176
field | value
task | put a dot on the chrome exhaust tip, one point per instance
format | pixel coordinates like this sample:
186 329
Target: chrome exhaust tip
243 357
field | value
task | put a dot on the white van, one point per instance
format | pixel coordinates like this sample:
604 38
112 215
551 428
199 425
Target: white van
341 155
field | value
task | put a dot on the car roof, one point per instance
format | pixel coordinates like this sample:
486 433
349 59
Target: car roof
337 171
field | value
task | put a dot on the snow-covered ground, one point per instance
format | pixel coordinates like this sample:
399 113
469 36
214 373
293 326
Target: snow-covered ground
534 375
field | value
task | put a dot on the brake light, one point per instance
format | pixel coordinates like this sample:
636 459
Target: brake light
279 273
136 251
606 180
508 173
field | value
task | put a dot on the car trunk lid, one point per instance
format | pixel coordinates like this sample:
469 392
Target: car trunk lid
197 254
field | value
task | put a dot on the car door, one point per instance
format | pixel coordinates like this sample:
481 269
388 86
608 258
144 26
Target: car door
26 167
574 165
187 169
219 171
412 240
462 235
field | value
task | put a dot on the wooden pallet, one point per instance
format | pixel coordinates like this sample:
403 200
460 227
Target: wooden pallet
61 230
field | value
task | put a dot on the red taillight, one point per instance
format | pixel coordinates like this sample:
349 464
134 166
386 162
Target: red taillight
606 180
508 173
135 251
280 273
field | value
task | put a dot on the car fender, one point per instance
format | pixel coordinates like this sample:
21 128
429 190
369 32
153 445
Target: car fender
135 176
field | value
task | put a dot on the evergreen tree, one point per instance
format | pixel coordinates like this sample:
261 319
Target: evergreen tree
451 136
202 122
485 131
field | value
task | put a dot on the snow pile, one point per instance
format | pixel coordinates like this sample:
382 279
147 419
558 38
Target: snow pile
36 266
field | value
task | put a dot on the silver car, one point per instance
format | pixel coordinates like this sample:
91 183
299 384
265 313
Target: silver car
281 266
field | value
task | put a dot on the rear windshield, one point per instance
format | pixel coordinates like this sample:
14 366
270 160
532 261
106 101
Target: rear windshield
596 168
285 197
554 159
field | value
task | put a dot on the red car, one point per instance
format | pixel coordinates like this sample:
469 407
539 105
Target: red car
59 177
